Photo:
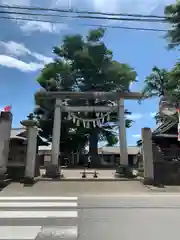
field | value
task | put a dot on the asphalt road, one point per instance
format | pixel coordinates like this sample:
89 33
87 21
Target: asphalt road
38 218
126 216
129 217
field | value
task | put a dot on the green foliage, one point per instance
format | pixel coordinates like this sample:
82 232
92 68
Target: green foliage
172 13
163 83
157 83
81 65
175 80
139 143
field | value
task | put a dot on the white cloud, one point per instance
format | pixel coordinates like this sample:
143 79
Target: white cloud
41 57
115 6
11 50
11 62
129 6
18 49
63 3
135 116
136 135
14 48
33 26
153 114
106 5
16 2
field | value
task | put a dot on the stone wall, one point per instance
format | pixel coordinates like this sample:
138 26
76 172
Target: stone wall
167 173
166 170
17 152
17 160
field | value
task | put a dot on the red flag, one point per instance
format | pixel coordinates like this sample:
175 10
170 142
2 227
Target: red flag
7 109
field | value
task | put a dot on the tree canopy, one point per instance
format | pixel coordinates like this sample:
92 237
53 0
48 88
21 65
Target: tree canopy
172 13
157 83
160 83
82 64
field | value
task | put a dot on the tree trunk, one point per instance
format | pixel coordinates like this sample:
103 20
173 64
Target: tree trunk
93 148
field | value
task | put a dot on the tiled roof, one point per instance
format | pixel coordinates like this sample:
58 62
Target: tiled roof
22 132
116 150
17 131
106 150
165 127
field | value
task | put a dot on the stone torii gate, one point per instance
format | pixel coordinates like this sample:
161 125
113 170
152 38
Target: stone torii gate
59 108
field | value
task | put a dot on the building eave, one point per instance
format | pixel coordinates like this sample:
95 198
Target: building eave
164 127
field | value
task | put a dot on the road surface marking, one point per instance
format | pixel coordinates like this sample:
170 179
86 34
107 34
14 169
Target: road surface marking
66 210
19 232
37 204
37 214
58 233
37 232
30 198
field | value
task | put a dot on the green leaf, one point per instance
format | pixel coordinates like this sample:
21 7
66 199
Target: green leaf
172 13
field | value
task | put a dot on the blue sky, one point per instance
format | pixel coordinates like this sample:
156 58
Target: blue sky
26 46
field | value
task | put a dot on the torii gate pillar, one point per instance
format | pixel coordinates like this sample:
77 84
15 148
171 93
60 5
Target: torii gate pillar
122 134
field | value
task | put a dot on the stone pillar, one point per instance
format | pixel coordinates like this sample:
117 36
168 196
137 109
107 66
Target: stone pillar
147 153
5 133
122 134
31 150
53 169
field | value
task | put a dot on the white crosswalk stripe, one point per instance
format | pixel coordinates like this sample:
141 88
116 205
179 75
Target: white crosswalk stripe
38 218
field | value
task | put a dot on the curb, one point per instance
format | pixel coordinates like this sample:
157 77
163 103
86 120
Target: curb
86 180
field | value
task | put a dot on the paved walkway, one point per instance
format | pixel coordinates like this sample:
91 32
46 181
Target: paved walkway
80 188
74 188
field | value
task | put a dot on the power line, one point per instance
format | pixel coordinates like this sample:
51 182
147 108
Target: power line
79 12
122 19
128 28
83 24
83 17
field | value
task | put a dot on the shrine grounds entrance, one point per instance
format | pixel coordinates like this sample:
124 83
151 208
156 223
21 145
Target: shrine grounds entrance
102 112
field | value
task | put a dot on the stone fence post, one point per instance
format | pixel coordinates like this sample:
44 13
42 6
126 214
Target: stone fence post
147 152
5 133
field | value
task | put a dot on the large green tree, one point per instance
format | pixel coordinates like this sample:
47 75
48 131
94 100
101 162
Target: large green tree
172 13
82 64
161 83
157 83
